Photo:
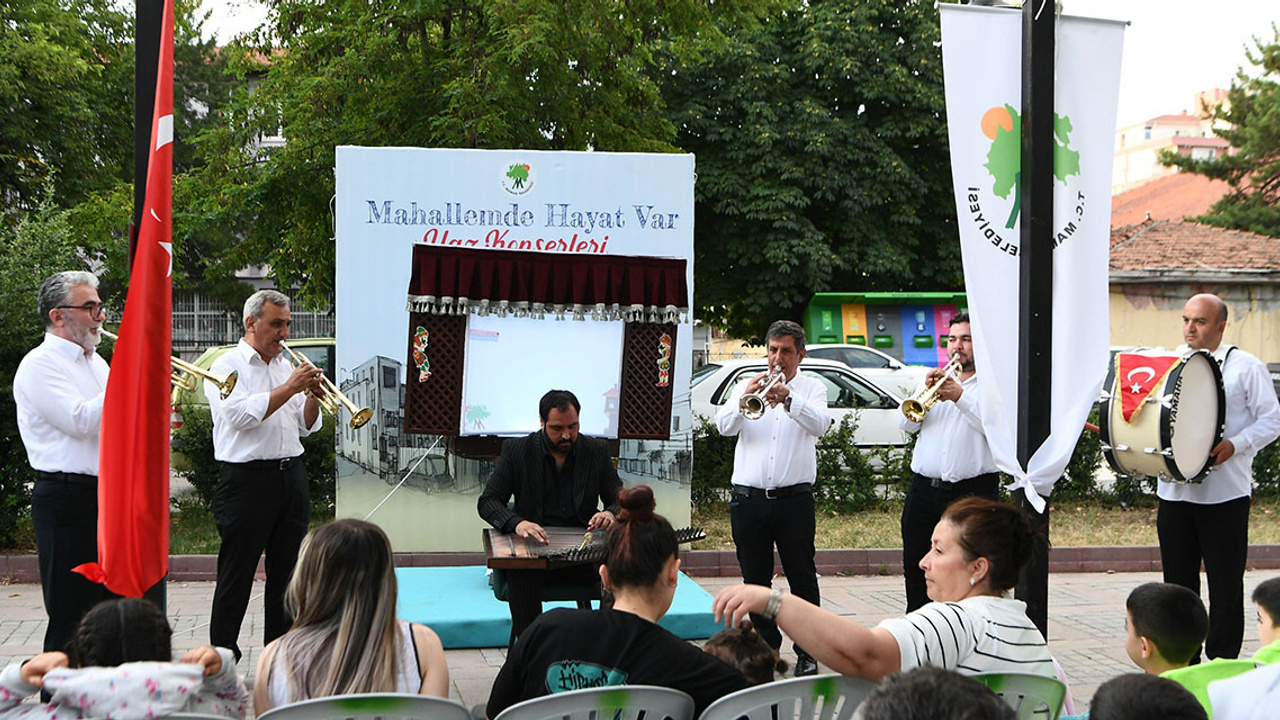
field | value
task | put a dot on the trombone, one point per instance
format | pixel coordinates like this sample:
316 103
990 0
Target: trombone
752 406
184 374
919 404
330 397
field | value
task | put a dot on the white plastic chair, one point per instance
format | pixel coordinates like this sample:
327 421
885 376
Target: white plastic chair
620 702
819 697
372 705
1032 697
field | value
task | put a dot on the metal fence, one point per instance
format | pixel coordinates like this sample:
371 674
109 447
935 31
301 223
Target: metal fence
200 322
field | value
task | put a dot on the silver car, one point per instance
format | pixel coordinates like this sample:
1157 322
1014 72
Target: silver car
875 408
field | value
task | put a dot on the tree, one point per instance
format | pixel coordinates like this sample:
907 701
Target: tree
822 159
537 74
1252 118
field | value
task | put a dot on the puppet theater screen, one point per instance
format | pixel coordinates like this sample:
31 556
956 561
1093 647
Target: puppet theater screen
470 282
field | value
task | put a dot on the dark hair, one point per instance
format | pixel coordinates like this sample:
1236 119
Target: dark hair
743 648
961 318
119 631
1171 616
786 328
1267 596
995 531
561 400
932 693
640 543
1138 696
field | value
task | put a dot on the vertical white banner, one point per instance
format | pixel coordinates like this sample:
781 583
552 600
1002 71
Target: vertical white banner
982 60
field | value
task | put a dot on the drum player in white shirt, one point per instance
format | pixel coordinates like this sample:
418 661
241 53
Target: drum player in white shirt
59 388
1209 520
951 459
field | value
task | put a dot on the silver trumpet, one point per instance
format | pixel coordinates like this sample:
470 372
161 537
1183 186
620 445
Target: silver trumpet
919 404
330 397
752 406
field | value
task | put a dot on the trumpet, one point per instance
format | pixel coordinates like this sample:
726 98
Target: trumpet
919 404
330 397
752 406
184 374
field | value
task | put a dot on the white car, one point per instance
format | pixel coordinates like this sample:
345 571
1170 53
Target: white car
876 409
875 365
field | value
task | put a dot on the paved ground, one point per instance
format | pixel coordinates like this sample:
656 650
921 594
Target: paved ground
1086 624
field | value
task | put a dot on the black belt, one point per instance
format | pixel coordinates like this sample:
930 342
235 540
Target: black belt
940 483
773 493
76 478
280 465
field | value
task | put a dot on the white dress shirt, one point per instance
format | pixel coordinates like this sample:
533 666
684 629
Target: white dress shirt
1253 421
59 391
779 449
952 445
240 434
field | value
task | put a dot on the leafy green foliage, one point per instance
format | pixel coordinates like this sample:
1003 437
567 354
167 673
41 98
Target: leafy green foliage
1251 123
846 480
1080 478
1266 471
712 464
15 475
822 159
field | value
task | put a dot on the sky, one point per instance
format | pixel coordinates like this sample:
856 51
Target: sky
1172 48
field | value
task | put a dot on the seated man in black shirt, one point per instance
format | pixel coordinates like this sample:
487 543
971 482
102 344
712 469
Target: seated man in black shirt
559 479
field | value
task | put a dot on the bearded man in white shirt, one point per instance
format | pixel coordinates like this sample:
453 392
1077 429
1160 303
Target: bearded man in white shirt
58 389
951 459
1209 520
262 502
774 467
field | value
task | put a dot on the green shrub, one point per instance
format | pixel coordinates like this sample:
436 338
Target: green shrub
1079 480
1266 471
846 480
712 464
195 441
15 474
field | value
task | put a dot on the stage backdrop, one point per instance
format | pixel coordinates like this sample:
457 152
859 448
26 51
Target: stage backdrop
557 203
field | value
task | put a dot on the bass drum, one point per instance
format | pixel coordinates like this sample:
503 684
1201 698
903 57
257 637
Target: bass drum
1178 424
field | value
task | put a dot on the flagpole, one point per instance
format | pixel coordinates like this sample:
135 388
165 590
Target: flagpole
1035 294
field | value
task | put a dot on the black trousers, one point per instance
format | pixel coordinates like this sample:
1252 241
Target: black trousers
64 512
921 511
1218 535
257 506
524 591
759 523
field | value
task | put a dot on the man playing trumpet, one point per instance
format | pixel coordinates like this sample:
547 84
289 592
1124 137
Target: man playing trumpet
774 467
951 458
262 502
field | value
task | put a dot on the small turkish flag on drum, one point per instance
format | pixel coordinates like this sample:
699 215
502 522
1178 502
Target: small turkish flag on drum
1137 376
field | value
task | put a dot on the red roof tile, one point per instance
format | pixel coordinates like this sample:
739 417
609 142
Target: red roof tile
1161 247
1173 197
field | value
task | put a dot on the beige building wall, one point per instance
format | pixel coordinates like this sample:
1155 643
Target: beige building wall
1150 315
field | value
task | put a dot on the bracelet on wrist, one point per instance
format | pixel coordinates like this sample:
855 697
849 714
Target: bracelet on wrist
775 603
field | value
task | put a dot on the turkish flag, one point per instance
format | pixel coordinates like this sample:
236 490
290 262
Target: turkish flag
133 464
1136 377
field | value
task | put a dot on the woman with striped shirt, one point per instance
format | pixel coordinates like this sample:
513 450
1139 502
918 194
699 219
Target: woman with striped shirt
972 626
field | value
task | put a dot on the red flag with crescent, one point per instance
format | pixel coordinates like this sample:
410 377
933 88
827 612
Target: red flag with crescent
133 464
1137 376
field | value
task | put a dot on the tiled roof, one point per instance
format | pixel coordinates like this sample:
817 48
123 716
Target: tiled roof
1200 141
1165 248
1173 197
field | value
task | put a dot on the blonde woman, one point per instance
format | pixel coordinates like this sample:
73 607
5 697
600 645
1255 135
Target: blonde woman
345 636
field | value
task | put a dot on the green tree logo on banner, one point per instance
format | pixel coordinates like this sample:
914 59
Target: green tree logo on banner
1004 160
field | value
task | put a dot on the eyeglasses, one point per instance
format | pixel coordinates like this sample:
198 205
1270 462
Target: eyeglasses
93 308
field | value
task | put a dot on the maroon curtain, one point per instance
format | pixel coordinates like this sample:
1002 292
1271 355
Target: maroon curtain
456 281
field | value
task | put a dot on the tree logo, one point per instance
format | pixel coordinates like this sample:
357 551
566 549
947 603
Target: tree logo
518 178
1004 160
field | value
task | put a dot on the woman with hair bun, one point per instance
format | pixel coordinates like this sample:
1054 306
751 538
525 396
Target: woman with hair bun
575 649
972 626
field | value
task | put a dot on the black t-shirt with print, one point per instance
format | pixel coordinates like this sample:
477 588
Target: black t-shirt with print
575 649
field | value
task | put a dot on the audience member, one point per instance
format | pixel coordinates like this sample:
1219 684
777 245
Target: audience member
575 649
118 665
744 648
931 693
977 552
1267 597
1144 697
345 637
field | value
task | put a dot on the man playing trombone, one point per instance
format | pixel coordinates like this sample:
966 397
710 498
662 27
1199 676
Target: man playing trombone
951 458
261 502
778 417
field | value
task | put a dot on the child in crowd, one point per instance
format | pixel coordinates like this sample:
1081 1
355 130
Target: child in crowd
1144 697
118 665
743 648
1267 597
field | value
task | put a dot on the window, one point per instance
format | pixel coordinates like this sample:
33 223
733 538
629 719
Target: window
389 376
844 392
703 373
